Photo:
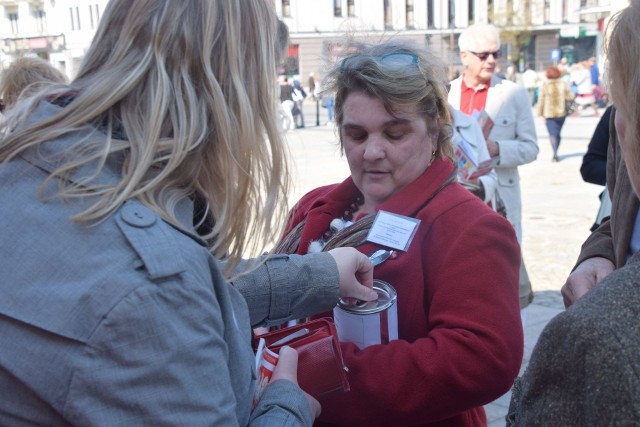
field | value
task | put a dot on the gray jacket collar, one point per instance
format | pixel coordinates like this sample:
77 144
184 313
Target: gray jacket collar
49 155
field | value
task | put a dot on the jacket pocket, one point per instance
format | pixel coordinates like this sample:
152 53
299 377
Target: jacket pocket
506 177
504 122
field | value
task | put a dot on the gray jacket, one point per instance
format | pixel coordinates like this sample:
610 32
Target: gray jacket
129 321
585 368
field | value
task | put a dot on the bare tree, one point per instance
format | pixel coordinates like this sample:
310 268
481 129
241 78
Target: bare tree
515 20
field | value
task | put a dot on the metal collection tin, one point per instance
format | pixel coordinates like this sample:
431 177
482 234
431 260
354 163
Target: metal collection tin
369 323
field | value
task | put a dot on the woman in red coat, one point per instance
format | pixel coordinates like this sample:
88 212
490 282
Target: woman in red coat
460 339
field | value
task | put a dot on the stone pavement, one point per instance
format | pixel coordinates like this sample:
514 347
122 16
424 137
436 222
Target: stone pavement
558 210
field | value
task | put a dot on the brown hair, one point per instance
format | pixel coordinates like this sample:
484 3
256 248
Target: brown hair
421 84
29 74
553 73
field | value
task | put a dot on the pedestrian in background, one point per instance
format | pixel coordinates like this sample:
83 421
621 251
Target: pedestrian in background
312 85
581 77
554 95
299 95
512 139
288 104
530 82
27 74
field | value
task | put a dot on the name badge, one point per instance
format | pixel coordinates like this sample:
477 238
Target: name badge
393 230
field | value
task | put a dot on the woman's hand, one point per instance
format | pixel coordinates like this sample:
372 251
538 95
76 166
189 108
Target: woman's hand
287 369
356 274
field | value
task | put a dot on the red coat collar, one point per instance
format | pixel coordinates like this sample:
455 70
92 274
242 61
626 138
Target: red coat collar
320 206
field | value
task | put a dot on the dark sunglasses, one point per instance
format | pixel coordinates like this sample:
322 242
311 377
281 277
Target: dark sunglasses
484 55
392 60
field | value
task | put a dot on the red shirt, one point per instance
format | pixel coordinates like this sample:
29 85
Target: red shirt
473 99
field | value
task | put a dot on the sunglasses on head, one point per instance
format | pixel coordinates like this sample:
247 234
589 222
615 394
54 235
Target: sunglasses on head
484 55
393 60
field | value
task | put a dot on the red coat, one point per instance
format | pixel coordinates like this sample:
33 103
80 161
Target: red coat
461 340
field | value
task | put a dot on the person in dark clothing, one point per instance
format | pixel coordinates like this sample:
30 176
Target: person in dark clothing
299 95
286 91
594 162
289 108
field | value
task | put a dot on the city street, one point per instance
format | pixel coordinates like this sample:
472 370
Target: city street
558 210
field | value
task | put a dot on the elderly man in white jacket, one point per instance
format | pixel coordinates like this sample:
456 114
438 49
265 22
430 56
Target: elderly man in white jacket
512 140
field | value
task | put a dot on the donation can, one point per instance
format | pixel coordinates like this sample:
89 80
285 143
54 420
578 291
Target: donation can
369 323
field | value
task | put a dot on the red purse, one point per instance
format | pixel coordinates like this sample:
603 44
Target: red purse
321 370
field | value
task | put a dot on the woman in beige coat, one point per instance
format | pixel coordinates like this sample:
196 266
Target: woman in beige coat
552 106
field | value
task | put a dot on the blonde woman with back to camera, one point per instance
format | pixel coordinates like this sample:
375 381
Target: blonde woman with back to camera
114 310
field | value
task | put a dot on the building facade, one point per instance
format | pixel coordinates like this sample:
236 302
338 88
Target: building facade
535 33
61 30
57 30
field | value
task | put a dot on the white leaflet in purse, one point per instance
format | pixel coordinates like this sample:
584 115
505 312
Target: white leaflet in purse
292 336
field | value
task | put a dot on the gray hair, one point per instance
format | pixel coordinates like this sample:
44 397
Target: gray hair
421 84
623 76
470 37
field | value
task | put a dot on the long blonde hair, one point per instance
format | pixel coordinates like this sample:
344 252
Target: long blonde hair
191 86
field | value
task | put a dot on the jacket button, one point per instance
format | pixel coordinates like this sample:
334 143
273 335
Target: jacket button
137 216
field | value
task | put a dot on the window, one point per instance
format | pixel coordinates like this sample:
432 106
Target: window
337 8
510 15
490 10
430 21
351 8
547 12
388 21
94 15
472 11
452 14
13 20
286 8
74 13
409 9
41 22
